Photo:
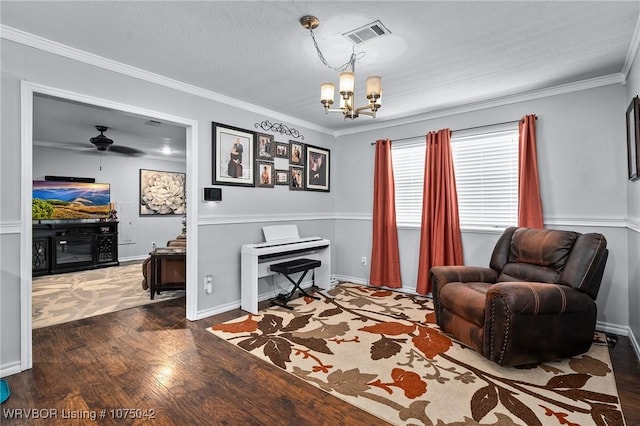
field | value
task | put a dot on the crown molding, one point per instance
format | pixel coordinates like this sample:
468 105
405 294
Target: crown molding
60 49
577 86
50 46
633 50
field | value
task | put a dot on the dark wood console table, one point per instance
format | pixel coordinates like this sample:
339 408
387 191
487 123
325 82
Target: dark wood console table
174 260
73 246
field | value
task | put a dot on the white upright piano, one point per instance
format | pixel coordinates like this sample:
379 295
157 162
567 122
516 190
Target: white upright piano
281 243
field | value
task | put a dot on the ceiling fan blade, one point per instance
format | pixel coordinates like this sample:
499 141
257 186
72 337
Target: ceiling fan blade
126 150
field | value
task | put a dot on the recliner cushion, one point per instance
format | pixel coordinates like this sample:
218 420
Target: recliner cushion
466 300
527 272
543 247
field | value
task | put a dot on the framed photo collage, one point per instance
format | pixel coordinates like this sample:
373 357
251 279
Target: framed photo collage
245 158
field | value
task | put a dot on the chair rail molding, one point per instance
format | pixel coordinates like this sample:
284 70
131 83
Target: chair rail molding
13 227
633 223
240 219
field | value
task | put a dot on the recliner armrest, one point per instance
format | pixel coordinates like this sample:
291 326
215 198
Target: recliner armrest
440 276
534 298
529 322
463 274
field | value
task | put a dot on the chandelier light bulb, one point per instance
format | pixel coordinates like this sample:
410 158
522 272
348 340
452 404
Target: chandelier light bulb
374 86
327 93
347 83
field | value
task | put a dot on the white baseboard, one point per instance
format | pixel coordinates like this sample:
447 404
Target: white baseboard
10 369
132 258
634 343
620 330
349 279
234 305
217 310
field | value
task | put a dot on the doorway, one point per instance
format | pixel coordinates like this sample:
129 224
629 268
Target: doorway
28 93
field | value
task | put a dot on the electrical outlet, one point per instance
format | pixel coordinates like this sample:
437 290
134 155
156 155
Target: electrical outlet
208 283
363 261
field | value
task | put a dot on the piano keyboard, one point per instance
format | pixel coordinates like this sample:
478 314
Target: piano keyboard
284 242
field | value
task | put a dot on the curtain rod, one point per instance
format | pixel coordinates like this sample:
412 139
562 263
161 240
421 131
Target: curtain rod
457 130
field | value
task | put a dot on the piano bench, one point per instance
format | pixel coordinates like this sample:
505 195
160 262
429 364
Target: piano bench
292 267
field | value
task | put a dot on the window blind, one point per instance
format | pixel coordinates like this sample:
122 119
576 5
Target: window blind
486 168
408 175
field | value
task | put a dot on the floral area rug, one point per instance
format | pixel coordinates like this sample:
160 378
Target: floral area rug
381 351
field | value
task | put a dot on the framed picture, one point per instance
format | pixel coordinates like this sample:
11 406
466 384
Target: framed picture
265 171
282 150
633 138
266 147
282 177
296 153
233 155
296 178
317 168
162 193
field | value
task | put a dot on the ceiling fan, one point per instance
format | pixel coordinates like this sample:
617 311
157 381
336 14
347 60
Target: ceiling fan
103 143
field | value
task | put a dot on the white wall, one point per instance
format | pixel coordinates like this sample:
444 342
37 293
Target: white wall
582 165
122 173
241 208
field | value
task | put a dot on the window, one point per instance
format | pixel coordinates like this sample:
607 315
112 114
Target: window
486 167
408 175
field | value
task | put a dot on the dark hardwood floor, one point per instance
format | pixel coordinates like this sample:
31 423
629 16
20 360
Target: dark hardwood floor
151 361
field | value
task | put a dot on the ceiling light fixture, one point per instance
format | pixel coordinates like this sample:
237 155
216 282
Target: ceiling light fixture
347 82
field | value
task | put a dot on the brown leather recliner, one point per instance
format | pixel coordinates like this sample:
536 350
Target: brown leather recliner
536 302
172 270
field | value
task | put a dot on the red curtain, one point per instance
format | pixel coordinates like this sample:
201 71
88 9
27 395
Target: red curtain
529 203
385 256
440 241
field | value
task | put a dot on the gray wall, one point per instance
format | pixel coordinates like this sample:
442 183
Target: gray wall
122 173
582 165
633 213
243 211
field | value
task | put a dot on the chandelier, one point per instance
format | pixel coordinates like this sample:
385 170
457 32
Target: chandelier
347 80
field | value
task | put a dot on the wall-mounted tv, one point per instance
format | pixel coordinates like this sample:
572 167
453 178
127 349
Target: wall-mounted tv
70 200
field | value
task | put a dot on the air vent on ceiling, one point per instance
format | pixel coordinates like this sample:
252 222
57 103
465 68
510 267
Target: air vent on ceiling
367 32
152 123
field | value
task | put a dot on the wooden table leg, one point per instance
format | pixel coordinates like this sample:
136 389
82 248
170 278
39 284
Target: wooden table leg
154 276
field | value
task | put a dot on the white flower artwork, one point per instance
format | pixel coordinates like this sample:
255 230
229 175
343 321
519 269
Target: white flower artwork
162 193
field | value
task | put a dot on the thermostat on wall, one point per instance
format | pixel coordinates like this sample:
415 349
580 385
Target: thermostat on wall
212 194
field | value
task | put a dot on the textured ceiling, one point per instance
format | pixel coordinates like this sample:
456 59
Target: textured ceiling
439 54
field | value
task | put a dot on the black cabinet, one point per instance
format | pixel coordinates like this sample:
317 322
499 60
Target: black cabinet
68 247
40 255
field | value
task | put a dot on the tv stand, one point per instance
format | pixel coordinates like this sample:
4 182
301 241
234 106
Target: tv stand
73 246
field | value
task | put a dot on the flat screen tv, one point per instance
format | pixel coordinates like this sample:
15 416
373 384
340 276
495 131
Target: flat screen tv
70 200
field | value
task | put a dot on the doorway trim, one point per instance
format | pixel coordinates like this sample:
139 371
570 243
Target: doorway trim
27 91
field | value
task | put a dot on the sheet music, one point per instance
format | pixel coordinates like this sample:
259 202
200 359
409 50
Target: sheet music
280 232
